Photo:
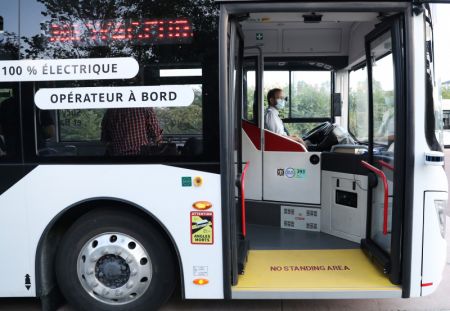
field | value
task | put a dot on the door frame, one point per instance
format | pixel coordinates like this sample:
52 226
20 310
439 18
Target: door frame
390 263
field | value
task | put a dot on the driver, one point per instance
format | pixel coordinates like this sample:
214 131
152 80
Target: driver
272 120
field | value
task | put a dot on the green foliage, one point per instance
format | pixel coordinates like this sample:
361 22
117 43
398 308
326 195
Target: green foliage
359 111
445 91
182 120
311 101
383 107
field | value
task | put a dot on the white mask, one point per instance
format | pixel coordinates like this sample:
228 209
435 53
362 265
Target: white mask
280 104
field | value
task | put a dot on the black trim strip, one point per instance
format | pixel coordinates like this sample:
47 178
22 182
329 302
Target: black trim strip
10 174
226 163
306 120
399 153
409 164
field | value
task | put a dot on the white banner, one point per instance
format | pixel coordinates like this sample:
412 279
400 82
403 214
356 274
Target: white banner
114 97
68 69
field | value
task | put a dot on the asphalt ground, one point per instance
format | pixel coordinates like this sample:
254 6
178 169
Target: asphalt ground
438 301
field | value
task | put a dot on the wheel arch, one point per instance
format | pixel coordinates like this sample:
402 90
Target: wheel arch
56 228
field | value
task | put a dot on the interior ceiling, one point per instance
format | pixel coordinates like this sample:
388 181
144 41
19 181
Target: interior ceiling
329 17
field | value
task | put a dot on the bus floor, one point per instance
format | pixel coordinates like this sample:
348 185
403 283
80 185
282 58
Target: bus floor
295 264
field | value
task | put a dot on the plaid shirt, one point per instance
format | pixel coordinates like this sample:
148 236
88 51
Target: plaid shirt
126 130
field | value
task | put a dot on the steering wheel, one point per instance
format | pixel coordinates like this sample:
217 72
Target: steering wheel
316 135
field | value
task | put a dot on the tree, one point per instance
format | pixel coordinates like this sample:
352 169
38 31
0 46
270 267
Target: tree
445 91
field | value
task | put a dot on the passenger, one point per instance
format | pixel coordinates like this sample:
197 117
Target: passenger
9 127
272 120
127 130
45 128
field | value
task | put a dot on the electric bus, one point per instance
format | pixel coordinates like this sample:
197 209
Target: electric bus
134 156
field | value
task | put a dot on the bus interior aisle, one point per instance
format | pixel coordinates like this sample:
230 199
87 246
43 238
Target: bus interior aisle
319 218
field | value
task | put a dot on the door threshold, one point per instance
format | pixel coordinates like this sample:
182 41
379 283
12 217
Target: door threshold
314 294
312 274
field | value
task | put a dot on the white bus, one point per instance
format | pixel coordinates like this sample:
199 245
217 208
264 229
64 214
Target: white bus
134 156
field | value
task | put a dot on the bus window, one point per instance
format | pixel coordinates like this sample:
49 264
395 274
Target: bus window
358 116
250 98
10 138
170 48
309 98
9 125
310 91
384 101
276 79
446 119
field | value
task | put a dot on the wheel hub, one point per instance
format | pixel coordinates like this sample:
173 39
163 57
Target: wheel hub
114 268
112 271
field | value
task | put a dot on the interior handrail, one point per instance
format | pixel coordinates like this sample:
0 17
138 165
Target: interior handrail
386 165
244 172
381 174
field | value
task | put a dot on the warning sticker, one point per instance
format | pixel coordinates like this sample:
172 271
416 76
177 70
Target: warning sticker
202 228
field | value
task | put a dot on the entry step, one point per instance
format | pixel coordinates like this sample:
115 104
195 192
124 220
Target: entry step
309 274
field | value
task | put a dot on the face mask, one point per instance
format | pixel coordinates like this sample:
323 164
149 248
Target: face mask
280 104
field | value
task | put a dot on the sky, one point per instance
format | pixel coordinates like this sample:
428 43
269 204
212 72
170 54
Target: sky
442 41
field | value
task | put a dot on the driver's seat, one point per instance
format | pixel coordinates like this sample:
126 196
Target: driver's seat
272 141
277 142
286 172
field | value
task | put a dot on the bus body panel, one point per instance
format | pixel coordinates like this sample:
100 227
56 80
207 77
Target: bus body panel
156 188
15 263
434 244
426 177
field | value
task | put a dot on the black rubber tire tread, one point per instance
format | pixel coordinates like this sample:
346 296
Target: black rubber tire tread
114 220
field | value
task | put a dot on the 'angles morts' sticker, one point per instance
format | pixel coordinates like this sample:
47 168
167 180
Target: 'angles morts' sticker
202 228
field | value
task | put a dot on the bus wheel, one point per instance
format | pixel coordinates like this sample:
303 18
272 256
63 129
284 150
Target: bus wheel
112 260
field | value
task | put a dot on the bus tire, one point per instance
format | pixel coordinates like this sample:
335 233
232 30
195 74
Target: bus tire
110 260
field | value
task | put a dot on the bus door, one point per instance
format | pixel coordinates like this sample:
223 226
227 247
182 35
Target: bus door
385 165
252 120
233 132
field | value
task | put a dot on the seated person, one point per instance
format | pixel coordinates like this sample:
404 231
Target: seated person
272 120
9 127
127 130
45 128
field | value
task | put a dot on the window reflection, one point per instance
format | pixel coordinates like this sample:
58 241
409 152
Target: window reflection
170 40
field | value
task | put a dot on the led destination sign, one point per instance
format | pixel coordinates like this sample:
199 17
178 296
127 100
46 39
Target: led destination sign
140 32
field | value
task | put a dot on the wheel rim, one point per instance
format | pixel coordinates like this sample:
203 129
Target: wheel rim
114 268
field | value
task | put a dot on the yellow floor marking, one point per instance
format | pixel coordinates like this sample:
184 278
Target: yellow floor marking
311 270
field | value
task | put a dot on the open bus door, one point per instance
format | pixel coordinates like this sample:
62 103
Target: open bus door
231 136
386 76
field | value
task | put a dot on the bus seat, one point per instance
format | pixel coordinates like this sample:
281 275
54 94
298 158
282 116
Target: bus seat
277 142
273 141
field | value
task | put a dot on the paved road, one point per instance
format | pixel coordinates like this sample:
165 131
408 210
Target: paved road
438 301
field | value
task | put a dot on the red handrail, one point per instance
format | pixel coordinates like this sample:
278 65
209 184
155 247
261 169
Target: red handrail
386 165
386 193
244 172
